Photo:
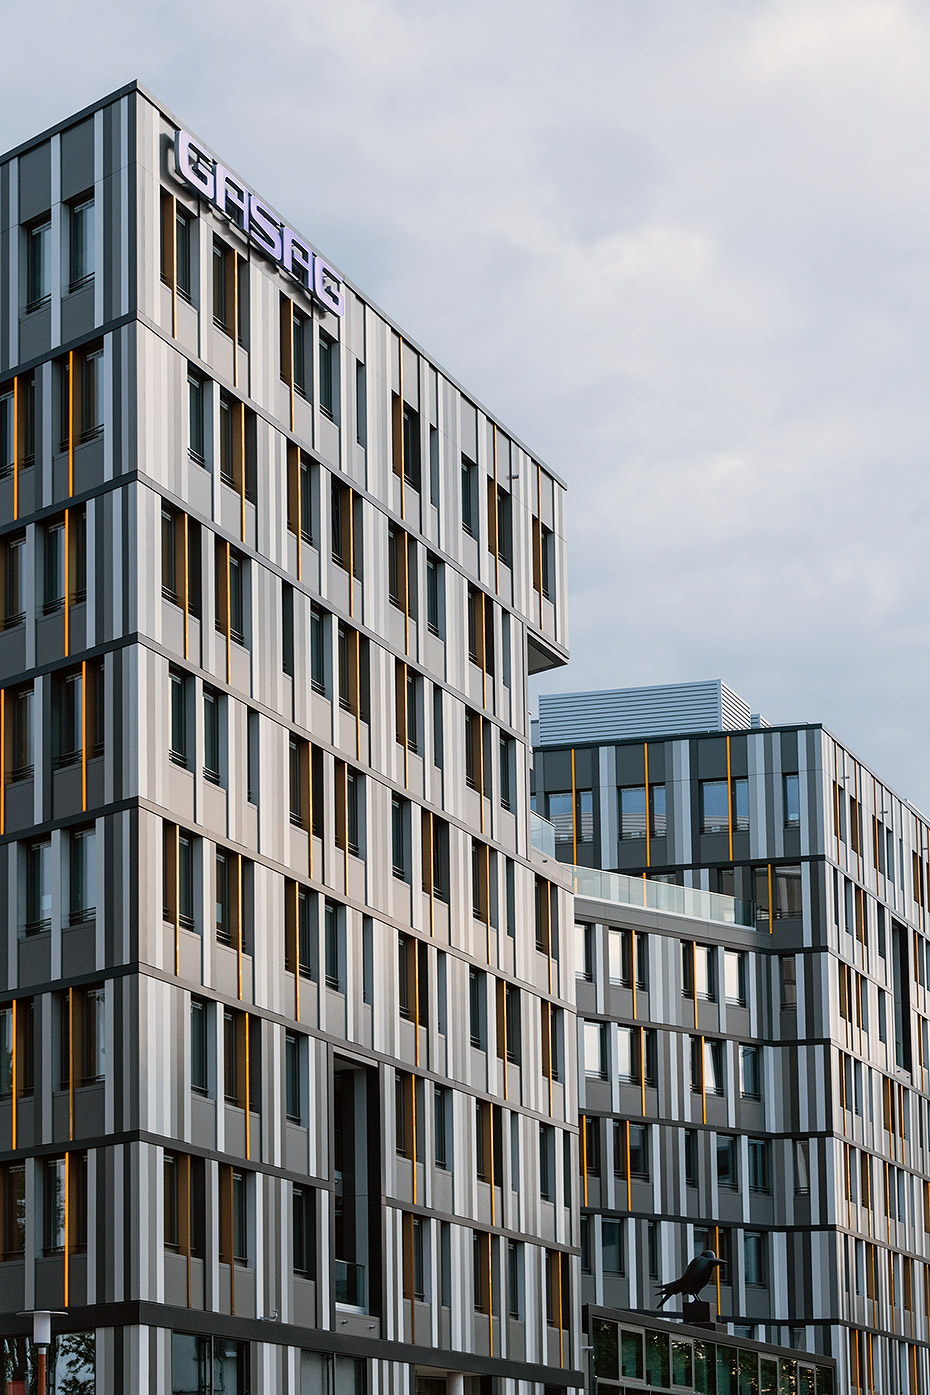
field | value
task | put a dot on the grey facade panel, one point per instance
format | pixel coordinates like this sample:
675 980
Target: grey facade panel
625 713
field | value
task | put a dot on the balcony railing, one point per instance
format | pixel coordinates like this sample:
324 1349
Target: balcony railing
662 896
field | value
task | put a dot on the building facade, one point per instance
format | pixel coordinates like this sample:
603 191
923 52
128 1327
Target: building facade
287 1082
760 1086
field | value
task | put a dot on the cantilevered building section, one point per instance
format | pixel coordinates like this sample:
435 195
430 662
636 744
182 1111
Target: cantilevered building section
287 1089
755 1069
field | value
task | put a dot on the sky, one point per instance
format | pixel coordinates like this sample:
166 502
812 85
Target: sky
679 249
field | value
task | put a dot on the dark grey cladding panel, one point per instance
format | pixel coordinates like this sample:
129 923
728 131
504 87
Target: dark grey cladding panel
739 759
788 745
657 763
585 768
709 758
77 159
35 182
631 765
559 770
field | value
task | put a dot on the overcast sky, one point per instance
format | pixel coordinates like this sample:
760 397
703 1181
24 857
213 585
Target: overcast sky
679 248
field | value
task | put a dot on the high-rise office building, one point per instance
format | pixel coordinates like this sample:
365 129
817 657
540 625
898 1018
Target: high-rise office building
755 1070
287 1041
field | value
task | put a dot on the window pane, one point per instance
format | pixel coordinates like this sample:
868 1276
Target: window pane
633 812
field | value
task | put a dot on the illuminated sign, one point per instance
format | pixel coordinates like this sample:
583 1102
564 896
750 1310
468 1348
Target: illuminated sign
273 239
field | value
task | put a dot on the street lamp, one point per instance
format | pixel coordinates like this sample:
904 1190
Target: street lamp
41 1340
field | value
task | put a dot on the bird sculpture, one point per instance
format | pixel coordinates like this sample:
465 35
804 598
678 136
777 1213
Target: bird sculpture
696 1277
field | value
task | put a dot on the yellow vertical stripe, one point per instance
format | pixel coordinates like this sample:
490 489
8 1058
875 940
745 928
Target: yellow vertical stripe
71 1063
16 447
2 760
238 861
174 267
67 1225
67 582
228 617
248 1093
15 1072
84 736
187 600
574 817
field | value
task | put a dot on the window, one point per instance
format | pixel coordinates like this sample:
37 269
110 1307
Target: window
182 252
292 1076
204 1365
584 948
177 749
361 406
435 855
195 431
707 1066
691 1157
200 1046
705 972
20 717
329 376
38 265
727 1167
81 244
402 570
82 401
500 523
334 943
751 1072
802 1167
88 1036
352 659
13 1215
64 572
734 976
633 811
573 820
507 765
83 875
754 1259
717 796
613 1247
546 1162
792 797
12 574
231 592
38 887
435 594
406 442
759 1178
211 735
442 1115
477 1008
787 891
715 806
24 1018
400 837
223 285
8 441
595 1050
469 496
302 1213
620 957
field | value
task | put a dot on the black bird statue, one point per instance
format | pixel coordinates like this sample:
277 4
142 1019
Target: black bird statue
696 1277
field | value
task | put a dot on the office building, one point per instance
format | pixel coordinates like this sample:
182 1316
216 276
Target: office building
287 1076
752 994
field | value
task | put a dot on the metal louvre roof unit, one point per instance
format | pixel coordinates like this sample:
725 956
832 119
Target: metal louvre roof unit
617 714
